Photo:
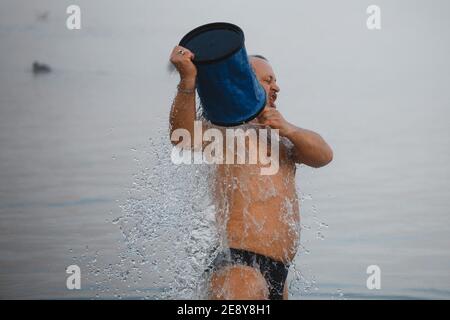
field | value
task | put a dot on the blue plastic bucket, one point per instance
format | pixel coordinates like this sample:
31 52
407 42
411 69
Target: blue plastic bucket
227 86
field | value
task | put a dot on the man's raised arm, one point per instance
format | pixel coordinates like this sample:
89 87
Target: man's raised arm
309 148
183 112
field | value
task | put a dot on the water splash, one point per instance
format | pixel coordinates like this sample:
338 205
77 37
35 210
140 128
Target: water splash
169 234
168 224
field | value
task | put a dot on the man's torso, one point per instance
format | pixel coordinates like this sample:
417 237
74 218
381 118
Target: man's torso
259 213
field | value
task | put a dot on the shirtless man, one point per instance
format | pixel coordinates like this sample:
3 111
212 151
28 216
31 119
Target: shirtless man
259 214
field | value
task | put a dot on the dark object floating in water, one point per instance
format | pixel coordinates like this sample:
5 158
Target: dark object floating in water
40 68
43 16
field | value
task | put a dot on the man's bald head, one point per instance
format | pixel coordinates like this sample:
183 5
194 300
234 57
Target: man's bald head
258 56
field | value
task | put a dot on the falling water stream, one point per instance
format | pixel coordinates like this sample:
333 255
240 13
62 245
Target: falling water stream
171 232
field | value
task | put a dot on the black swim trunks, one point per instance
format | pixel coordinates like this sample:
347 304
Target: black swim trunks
275 272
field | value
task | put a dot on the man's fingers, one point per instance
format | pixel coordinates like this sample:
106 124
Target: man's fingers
177 58
188 55
182 58
267 113
269 117
185 52
264 113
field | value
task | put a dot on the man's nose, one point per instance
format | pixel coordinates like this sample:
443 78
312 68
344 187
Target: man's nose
276 88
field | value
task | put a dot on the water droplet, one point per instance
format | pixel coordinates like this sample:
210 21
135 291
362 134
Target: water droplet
116 220
323 225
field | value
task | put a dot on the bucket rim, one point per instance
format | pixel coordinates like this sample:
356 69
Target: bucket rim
211 26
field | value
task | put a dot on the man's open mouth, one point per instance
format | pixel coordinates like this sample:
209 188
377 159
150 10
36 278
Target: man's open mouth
272 98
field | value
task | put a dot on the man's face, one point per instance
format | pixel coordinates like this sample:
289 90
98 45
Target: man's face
267 78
